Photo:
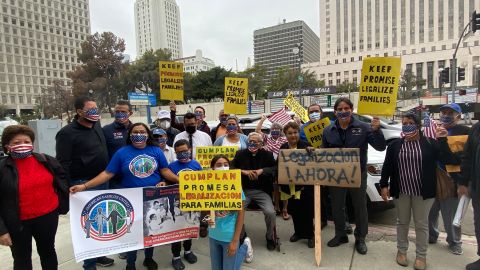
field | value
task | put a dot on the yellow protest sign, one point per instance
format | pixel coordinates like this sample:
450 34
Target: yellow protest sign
210 190
379 85
456 144
171 80
296 107
205 154
314 131
236 95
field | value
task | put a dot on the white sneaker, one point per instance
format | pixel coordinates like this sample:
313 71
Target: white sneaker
249 256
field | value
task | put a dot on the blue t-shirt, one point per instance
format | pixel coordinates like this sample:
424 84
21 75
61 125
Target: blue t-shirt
138 167
225 222
178 166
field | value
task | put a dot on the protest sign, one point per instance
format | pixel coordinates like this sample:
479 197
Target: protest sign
314 131
164 222
171 80
296 107
456 144
120 220
205 154
236 95
338 167
210 190
379 85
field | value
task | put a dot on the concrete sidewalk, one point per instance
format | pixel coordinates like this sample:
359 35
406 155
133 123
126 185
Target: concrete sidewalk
381 251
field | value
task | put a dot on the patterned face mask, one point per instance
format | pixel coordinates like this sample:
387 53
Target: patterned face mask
21 151
198 115
121 116
162 140
344 115
231 129
275 133
409 131
446 119
183 156
92 115
252 147
315 116
139 138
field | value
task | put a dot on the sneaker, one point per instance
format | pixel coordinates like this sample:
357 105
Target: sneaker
457 250
122 256
178 264
249 256
473 266
337 241
104 261
190 257
150 264
271 244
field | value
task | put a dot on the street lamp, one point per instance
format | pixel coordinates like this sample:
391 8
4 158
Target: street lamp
296 52
440 82
478 82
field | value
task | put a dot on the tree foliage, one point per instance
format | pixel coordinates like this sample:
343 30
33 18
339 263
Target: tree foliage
55 101
347 87
207 85
256 81
408 81
287 78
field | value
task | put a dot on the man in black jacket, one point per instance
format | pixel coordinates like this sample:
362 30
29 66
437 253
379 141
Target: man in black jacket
347 132
221 128
469 184
449 117
257 167
82 152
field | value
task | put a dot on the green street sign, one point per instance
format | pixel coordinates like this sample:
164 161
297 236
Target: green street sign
329 100
300 78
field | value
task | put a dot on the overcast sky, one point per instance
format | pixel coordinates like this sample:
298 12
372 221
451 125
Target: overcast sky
222 29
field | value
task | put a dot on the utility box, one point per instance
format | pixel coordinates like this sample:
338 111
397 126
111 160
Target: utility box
45 132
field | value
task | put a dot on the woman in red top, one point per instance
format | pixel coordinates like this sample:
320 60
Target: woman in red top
33 192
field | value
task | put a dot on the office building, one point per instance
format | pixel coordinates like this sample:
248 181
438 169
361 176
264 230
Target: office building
196 63
39 40
157 26
285 45
423 32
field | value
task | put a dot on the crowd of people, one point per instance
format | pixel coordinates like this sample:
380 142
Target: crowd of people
35 187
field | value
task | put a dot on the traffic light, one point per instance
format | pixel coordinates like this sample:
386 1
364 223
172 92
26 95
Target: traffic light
445 75
475 20
461 74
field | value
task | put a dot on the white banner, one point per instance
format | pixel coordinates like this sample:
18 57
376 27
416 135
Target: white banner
119 220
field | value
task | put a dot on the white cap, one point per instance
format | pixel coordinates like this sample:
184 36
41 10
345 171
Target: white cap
163 114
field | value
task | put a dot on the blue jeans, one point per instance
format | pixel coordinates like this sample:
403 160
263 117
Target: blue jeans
132 256
219 258
89 263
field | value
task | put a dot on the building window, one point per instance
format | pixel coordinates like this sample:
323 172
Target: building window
430 74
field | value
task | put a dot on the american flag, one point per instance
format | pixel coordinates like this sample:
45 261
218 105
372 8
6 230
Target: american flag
429 126
281 116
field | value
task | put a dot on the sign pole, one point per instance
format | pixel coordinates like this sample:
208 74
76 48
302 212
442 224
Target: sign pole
318 225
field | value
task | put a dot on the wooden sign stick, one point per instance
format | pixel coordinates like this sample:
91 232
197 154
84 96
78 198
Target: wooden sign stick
318 225
212 218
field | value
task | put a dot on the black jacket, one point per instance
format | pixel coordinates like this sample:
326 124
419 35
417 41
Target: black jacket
448 156
357 135
82 151
245 160
391 174
213 132
470 161
9 204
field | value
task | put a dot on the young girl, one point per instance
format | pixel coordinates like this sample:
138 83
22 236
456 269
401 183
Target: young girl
227 250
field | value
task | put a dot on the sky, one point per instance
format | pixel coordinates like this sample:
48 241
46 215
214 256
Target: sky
222 29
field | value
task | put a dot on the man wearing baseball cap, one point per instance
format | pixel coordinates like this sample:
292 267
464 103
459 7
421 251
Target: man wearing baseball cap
450 114
164 122
161 139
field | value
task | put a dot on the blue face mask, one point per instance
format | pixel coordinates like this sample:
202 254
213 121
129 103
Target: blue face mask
139 138
315 116
231 128
275 133
409 129
253 147
121 115
183 156
446 119
344 115
162 140
223 120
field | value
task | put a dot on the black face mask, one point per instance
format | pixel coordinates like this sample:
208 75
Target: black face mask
190 129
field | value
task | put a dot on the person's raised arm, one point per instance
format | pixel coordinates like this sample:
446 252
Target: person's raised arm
258 129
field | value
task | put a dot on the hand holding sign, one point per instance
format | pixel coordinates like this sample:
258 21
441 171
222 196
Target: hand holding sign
441 132
375 124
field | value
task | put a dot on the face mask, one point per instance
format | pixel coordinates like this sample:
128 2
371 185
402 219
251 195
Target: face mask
190 129
252 147
21 151
121 116
315 116
409 130
183 156
275 133
139 138
222 168
92 115
223 120
446 119
164 124
199 116
231 129
344 115
162 140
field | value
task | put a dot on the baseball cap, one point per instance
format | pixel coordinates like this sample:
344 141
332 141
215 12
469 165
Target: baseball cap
158 131
452 106
163 114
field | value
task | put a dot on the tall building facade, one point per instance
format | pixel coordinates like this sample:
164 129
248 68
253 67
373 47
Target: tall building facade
196 63
275 47
39 40
423 32
157 26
